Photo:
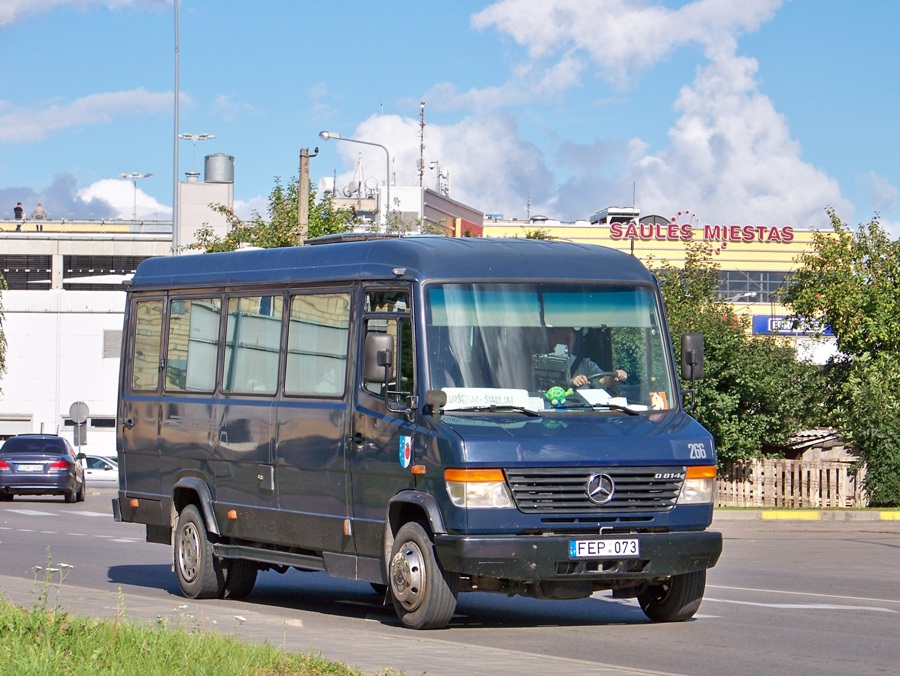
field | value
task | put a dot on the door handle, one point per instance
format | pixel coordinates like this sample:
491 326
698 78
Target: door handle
358 439
128 422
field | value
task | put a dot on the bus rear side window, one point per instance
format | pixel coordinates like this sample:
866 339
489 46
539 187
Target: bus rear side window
193 345
147 334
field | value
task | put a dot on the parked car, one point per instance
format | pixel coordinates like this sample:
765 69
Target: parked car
100 472
40 464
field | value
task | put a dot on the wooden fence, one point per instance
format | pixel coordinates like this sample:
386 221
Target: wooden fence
790 483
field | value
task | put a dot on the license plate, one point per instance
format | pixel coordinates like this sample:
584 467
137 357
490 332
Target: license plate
31 468
599 549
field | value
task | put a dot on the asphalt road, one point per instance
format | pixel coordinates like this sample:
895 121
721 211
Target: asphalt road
794 597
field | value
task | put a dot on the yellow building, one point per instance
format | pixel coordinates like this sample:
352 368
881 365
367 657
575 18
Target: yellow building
754 260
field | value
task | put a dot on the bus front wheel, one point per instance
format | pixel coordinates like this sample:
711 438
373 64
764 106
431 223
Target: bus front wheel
675 599
424 595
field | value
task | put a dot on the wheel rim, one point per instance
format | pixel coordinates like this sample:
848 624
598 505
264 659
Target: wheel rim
408 576
189 552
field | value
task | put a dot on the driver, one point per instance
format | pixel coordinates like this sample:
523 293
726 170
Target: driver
583 372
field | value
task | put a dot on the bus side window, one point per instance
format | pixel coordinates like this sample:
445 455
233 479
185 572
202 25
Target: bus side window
253 344
318 335
193 345
147 334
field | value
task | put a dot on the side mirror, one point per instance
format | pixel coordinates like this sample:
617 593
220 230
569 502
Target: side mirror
378 357
436 399
692 345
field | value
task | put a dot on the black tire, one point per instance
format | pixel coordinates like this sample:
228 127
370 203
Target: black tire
240 578
199 572
70 496
79 497
674 600
423 593
6 497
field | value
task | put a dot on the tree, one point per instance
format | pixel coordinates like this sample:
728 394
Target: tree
850 282
754 394
282 228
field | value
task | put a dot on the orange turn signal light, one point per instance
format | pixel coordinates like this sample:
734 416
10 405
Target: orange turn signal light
133 503
232 514
701 472
473 475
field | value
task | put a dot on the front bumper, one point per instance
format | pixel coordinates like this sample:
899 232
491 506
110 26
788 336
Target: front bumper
536 557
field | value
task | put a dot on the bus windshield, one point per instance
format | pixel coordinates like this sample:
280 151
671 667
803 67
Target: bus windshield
548 346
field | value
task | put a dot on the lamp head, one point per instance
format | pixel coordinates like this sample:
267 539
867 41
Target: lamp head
328 135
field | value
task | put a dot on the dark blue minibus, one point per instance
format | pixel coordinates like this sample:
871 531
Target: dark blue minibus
429 415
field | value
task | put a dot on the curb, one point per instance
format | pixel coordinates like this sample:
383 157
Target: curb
805 515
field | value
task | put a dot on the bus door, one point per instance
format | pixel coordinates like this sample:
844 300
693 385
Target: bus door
244 472
381 438
311 472
139 401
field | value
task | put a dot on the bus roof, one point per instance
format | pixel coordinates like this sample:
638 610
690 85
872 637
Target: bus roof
412 258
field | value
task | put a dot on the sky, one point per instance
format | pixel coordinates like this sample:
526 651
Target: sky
764 112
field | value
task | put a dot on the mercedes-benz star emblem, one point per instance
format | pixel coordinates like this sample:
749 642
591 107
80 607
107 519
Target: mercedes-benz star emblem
600 488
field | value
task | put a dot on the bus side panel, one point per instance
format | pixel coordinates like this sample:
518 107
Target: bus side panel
187 435
243 470
311 475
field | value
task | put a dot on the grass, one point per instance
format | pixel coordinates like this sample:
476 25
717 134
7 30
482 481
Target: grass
41 641
44 639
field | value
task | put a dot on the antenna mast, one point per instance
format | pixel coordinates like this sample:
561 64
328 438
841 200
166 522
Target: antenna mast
421 142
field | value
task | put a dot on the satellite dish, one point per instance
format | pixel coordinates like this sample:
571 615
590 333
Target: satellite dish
351 189
371 185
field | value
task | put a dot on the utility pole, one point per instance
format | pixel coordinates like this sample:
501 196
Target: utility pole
303 195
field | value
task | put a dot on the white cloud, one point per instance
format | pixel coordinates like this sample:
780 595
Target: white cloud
27 125
621 36
244 209
126 199
491 167
12 11
732 159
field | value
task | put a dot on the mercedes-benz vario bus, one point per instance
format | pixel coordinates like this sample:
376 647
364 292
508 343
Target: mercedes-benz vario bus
400 411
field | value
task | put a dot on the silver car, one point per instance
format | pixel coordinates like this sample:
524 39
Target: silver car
40 464
100 471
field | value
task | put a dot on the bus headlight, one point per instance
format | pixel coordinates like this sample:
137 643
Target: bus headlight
699 486
477 488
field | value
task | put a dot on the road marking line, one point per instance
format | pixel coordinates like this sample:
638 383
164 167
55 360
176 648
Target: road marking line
31 512
804 606
84 513
890 516
798 593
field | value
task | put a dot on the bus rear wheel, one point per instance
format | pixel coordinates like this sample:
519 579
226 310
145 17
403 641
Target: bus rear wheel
424 595
200 573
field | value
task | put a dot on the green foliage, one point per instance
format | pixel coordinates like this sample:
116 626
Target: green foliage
538 234
850 281
754 394
282 228
870 420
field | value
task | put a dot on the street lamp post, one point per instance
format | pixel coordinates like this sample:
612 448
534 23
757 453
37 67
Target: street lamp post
134 176
329 135
195 138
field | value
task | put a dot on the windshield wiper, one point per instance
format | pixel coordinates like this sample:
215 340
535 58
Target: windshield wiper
493 408
615 407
